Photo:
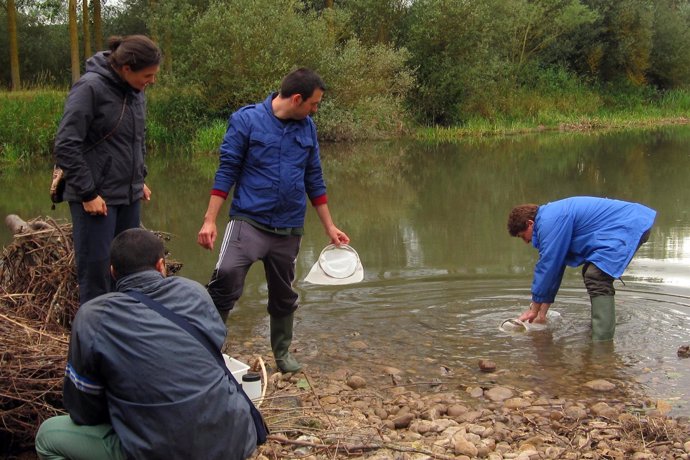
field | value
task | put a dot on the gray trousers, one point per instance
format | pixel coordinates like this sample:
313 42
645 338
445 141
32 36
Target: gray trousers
244 244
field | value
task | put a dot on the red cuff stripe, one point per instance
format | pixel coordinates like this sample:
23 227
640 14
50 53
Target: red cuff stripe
323 199
219 193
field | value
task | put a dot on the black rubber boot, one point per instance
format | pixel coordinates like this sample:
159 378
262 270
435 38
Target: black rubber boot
281 338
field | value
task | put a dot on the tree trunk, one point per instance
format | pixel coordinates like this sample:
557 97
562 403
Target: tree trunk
74 41
168 61
97 25
85 27
14 48
153 20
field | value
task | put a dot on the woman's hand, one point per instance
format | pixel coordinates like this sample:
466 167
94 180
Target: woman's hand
96 207
147 193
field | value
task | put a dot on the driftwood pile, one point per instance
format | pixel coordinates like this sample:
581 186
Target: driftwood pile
38 300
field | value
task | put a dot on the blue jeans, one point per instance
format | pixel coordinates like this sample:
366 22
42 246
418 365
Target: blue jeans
92 237
60 438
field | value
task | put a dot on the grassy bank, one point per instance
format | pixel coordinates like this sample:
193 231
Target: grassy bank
577 111
29 119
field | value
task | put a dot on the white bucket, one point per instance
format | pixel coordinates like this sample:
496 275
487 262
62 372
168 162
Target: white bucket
237 368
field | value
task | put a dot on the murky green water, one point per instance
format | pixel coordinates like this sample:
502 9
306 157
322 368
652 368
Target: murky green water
441 271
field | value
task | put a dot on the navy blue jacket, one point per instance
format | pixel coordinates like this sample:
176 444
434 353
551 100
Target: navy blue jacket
273 165
163 392
114 168
585 229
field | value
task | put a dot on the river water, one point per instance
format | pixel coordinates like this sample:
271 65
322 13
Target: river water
441 271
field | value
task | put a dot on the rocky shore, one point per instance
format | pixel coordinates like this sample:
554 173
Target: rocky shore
341 414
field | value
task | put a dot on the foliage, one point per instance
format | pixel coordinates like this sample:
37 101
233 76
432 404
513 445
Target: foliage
208 138
670 66
377 21
174 113
28 122
251 51
441 62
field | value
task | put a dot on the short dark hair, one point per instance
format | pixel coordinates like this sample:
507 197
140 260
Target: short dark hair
518 217
136 51
302 81
135 250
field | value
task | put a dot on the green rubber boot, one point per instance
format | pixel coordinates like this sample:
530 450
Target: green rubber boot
603 318
281 338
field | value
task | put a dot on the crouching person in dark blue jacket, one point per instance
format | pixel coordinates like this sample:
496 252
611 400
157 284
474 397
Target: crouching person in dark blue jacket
600 234
139 386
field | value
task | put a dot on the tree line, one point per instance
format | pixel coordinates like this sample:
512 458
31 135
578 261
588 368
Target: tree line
439 61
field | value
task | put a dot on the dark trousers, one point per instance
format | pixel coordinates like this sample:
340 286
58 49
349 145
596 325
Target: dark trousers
92 238
244 244
599 283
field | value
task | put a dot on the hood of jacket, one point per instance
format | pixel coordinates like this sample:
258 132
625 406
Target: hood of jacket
99 63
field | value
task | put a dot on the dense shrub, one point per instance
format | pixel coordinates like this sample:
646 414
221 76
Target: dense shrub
256 43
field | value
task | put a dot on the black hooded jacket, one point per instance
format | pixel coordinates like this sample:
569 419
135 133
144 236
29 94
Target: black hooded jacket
100 143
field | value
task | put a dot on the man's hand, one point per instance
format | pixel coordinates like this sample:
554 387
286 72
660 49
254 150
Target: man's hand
337 236
207 235
536 313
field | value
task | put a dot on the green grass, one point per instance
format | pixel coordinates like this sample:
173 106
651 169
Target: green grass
28 122
29 119
529 114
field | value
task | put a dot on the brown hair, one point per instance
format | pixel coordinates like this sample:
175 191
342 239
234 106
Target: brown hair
301 81
518 217
136 51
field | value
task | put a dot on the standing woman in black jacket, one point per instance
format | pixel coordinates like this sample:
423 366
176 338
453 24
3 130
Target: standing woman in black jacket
100 145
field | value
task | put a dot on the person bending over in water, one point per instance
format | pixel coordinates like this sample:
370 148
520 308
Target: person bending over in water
600 234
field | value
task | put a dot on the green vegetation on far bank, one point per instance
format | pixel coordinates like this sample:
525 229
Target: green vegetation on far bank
29 119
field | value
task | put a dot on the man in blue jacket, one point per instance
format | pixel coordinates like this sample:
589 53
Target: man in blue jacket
600 234
137 385
270 155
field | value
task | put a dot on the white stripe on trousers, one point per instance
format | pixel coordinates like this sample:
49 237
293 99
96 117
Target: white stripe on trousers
226 241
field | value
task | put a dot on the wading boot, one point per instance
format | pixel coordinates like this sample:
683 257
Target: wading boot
603 318
281 338
224 315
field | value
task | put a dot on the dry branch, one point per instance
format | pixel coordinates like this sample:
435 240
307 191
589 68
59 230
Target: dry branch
38 300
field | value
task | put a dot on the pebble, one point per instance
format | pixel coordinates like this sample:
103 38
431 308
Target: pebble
486 365
600 385
464 447
684 351
355 382
403 421
505 424
498 394
516 403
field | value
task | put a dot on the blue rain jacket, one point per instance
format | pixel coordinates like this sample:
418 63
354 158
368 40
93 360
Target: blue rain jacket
576 230
273 165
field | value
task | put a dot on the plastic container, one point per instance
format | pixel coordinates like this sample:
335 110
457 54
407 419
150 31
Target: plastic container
238 368
251 384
